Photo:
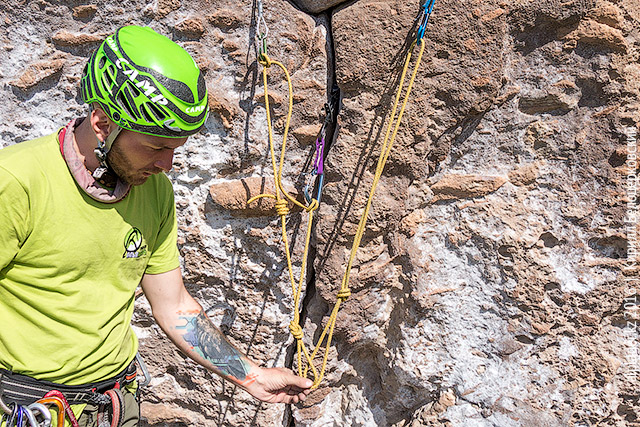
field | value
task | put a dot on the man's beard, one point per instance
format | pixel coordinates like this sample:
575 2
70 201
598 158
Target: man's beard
121 165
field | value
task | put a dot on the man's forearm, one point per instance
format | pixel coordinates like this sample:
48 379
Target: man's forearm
195 335
187 325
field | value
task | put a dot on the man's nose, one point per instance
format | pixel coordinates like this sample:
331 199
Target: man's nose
165 160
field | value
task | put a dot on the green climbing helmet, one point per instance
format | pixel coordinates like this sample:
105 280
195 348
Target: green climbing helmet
146 83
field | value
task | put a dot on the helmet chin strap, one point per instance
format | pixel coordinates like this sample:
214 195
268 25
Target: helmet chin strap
101 153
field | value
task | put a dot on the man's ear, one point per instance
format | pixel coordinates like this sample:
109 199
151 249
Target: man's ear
101 123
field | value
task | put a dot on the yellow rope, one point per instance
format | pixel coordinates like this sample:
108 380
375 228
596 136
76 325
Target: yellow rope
282 209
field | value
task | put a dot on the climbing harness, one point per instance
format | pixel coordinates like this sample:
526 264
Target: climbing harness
22 390
283 198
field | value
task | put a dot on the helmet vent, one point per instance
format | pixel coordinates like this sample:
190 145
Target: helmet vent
160 116
202 87
125 104
102 61
106 83
146 115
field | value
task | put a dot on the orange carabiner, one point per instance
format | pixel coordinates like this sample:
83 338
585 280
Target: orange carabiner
59 404
65 404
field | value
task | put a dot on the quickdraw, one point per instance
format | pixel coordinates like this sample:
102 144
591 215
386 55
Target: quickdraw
331 114
424 19
283 198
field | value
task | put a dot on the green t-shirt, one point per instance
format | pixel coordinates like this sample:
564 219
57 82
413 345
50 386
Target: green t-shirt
69 266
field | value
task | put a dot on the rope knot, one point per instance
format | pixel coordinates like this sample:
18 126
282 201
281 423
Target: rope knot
282 207
296 330
313 205
264 60
343 294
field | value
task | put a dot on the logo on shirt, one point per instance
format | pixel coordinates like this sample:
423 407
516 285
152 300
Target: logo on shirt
133 247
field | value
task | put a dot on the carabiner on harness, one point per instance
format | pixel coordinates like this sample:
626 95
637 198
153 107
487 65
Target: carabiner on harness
46 415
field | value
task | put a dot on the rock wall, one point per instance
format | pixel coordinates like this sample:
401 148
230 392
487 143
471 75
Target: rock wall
490 288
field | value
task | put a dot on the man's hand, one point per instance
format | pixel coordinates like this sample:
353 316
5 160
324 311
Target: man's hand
277 385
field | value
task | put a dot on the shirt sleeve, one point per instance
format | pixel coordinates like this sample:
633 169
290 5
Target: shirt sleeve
165 256
14 217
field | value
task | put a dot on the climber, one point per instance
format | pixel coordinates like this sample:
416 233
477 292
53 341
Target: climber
86 216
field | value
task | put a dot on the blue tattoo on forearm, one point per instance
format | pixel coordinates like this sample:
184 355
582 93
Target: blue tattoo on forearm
209 343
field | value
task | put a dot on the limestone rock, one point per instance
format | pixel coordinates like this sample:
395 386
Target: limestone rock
306 135
65 38
39 72
563 95
465 186
165 7
607 13
491 286
225 19
84 11
600 35
524 175
219 104
190 28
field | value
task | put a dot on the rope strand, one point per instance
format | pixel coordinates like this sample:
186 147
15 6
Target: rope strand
283 199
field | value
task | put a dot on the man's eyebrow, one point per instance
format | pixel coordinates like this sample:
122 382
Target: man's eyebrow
163 145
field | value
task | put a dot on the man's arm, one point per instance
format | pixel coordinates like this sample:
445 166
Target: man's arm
187 325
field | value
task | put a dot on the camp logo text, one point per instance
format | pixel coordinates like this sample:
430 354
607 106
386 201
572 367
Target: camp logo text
133 247
197 109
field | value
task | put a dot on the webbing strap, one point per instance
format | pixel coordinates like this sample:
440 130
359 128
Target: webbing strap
25 390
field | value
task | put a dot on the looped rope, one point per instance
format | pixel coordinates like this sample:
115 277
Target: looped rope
343 294
282 207
264 60
296 330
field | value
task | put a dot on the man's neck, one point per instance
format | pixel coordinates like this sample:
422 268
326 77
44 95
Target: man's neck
84 140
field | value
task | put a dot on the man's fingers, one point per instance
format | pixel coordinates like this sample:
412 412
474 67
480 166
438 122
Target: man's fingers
300 382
